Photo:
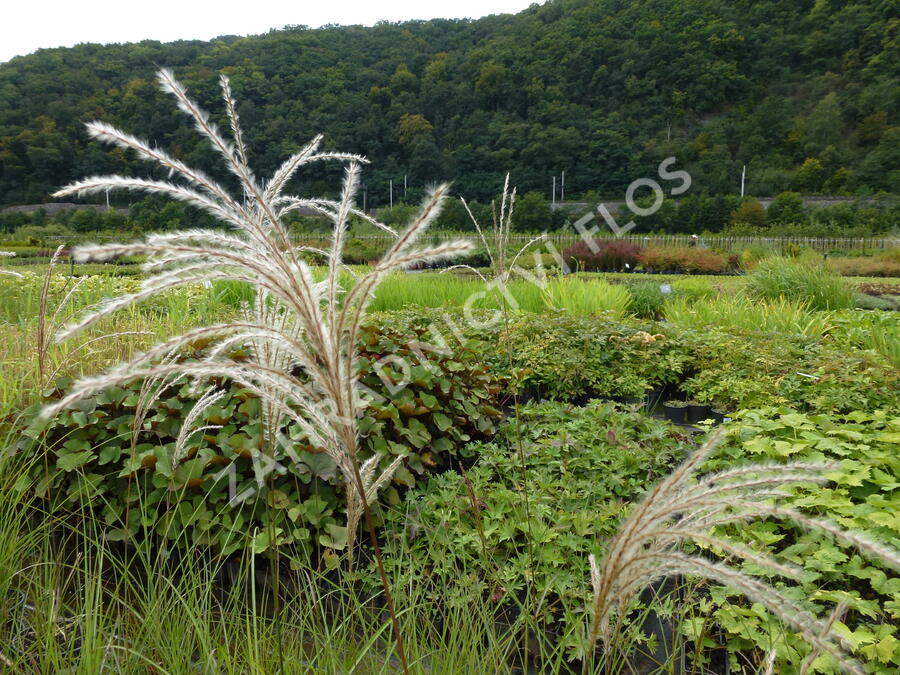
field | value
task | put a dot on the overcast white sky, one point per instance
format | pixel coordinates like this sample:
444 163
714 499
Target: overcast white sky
28 25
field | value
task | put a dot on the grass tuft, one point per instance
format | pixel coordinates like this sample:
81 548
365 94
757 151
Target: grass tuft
815 286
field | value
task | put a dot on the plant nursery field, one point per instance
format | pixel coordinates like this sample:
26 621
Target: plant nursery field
257 455
549 417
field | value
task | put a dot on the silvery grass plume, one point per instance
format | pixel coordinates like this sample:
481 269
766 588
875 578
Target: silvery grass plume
501 225
686 508
295 325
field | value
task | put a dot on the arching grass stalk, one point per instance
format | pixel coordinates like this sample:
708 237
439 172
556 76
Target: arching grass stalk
685 507
502 267
301 333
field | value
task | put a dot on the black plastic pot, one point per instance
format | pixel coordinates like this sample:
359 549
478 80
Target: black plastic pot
697 412
674 413
653 399
580 400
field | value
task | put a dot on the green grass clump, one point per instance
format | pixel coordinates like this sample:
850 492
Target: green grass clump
874 330
577 295
647 299
399 291
814 285
742 314
584 297
693 288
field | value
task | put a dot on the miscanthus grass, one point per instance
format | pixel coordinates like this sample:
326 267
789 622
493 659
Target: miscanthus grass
502 266
686 507
301 331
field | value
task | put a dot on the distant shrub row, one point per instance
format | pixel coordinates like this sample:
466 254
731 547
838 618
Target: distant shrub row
618 256
602 255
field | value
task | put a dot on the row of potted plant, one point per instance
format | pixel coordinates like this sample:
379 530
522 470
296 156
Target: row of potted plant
692 412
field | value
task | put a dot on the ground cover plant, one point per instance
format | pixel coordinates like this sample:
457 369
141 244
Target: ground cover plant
862 495
170 465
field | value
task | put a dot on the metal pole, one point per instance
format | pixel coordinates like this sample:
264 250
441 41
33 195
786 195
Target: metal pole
743 174
562 187
391 188
553 198
404 187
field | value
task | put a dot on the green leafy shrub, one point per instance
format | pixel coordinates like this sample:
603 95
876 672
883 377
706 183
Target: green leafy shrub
864 496
837 380
731 370
734 370
815 286
584 466
563 357
214 495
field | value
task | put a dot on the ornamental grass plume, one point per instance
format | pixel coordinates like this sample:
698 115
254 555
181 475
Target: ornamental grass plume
686 508
301 333
497 248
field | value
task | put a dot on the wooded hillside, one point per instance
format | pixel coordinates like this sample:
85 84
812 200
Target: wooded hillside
805 93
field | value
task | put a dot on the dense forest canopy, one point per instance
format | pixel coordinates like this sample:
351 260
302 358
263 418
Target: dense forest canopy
804 93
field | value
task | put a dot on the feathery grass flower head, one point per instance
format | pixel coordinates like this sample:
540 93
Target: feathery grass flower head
296 324
687 507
